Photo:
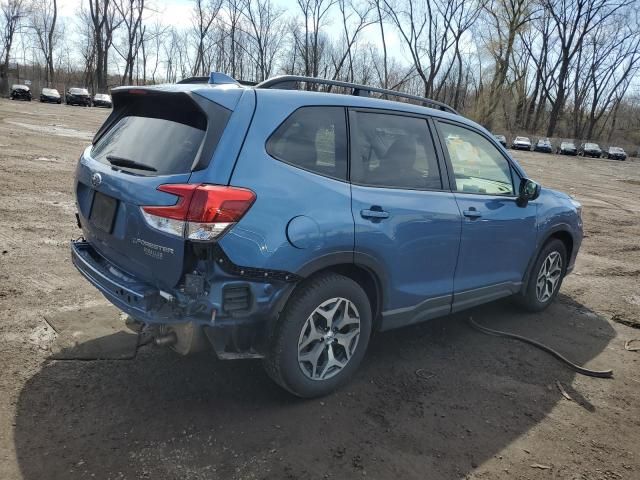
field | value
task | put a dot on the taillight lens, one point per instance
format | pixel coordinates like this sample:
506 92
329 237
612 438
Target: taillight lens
202 213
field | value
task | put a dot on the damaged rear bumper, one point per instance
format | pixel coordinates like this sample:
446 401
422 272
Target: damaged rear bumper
234 333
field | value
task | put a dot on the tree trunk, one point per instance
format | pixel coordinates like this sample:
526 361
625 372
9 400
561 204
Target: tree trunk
558 105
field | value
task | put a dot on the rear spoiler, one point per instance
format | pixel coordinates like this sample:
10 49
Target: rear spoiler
127 99
216 78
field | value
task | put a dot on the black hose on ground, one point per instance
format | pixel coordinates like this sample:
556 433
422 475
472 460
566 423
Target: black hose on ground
569 363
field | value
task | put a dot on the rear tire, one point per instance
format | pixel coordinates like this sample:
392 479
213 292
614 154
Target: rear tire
545 278
321 336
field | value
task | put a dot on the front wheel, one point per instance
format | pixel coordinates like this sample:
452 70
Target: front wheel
546 276
321 336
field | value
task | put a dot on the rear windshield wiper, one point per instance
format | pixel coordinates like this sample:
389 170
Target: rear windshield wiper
125 162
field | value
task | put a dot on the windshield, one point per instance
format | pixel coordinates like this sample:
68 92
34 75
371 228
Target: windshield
591 145
567 145
522 139
19 87
50 91
102 96
616 149
78 91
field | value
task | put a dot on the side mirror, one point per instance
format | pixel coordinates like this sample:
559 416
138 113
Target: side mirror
529 190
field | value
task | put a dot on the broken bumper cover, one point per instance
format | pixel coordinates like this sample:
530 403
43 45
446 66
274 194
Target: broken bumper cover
234 334
130 295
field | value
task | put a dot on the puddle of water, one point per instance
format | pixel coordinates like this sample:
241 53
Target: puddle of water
53 130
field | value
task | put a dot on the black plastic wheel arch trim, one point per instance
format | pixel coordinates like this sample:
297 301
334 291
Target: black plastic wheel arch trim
251 273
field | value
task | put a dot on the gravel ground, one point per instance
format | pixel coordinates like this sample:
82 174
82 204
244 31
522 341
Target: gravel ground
437 400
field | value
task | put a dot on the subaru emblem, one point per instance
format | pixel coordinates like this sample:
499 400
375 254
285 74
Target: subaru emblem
96 179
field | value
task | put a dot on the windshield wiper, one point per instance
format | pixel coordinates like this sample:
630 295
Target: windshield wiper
125 162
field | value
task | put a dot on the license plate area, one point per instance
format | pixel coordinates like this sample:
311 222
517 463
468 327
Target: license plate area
103 211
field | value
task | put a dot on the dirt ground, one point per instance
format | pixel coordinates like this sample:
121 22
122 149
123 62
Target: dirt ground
434 401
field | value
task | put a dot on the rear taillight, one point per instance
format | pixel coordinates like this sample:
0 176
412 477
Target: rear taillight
202 213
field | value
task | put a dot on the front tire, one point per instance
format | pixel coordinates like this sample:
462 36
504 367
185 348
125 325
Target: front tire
545 277
321 336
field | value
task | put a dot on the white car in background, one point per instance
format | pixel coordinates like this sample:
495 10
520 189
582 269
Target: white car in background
521 143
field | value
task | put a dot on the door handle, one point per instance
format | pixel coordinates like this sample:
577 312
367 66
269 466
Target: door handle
472 213
374 213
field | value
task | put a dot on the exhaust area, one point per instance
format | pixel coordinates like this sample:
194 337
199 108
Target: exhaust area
183 338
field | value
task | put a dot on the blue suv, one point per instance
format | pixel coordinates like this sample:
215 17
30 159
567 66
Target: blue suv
289 225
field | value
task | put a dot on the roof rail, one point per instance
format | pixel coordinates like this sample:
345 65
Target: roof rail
289 82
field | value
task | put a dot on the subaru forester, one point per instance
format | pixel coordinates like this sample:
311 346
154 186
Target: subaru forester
290 225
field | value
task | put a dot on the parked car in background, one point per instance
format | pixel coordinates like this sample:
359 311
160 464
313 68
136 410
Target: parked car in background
521 143
615 153
20 92
567 148
590 150
102 100
50 95
502 139
78 96
219 239
543 145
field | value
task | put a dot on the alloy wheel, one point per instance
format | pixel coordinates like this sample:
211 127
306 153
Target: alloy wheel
329 338
549 276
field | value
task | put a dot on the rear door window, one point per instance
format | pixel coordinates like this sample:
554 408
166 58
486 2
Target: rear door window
393 151
315 139
162 132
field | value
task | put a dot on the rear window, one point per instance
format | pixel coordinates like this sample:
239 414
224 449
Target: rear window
314 139
164 133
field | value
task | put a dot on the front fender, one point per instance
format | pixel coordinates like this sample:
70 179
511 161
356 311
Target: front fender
557 217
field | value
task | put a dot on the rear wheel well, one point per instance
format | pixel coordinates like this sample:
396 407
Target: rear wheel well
366 279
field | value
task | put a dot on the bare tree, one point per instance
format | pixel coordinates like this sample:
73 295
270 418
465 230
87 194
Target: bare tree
574 20
156 36
310 44
12 12
380 20
204 16
536 41
426 30
355 18
87 47
105 21
505 18
42 21
463 15
131 12
266 31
